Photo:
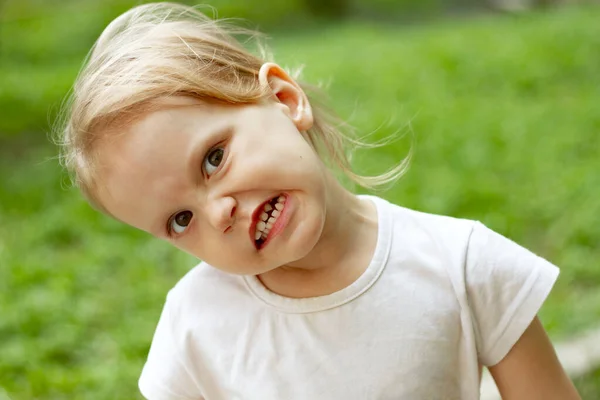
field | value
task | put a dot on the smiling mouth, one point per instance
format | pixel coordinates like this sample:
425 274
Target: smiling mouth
266 218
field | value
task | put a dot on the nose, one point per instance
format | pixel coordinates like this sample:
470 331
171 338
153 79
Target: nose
221 213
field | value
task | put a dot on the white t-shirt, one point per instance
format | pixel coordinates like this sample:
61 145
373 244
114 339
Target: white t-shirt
440 298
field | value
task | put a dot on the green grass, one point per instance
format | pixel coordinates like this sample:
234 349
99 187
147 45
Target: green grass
589 385
505 116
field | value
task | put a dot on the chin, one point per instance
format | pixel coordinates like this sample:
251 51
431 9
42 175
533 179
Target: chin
307 238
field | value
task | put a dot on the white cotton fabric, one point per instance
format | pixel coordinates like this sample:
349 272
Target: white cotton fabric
440 298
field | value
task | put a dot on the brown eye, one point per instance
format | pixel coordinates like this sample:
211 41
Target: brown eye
180 222
212 160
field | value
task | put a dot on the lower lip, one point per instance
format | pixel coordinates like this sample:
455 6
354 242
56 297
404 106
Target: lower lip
281 222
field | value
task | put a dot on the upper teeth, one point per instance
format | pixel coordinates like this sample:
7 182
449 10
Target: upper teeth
266 223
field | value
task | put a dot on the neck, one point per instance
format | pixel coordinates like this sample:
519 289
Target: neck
342 254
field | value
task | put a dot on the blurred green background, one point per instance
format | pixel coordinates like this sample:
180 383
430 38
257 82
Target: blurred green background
504 108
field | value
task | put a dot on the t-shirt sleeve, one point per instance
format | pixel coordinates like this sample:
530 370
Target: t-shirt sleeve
165 376
506 286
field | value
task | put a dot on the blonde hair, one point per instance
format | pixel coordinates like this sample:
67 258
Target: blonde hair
166 49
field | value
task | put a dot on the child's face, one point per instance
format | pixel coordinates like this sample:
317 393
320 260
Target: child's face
200 175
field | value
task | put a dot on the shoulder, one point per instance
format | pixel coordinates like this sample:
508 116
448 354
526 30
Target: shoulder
201 277
472 247
427 250
202 293
415 230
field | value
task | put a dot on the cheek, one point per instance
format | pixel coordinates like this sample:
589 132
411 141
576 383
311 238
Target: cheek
279 161
281 143
298 157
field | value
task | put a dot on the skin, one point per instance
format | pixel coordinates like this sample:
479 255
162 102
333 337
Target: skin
157 167
531 370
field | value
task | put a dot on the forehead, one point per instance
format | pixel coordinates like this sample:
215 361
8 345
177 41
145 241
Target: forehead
158 134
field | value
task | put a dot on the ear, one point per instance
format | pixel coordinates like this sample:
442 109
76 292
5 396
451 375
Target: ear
289 94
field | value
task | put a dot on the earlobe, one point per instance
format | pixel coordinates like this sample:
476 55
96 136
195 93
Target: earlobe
288 93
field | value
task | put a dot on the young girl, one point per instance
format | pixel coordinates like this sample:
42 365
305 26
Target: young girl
306 291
